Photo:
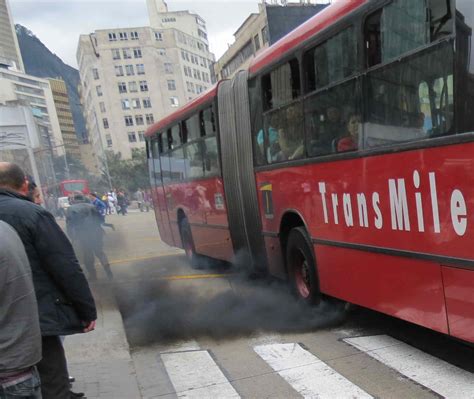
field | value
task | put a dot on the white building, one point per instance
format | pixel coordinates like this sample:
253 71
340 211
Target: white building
36 93
9 50
132 77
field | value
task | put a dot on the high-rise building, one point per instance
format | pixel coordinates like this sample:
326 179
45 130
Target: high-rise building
66 122
10 55
132 77
260 30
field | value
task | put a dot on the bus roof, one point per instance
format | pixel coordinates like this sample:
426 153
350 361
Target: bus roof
203 98
319 22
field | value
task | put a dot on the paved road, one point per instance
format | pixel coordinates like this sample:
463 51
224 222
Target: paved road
213 333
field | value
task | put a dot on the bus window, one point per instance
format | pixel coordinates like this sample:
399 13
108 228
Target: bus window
194 161
327 115
174 136
192 128
331 61
282 85
285 131
404 25
211 157
406 97
208 122
177 164
155 163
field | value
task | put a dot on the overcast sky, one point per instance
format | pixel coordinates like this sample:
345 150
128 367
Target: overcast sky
58 23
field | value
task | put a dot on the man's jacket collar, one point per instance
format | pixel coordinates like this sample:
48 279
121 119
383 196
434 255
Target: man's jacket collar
10 193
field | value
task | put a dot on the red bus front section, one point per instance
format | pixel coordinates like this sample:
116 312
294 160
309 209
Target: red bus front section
69 187
390 232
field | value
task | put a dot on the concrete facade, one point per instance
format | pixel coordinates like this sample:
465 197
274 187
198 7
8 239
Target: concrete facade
66 122
131 77
9 50
36 93
261 30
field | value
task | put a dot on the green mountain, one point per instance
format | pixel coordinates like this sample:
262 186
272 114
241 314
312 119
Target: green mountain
41 62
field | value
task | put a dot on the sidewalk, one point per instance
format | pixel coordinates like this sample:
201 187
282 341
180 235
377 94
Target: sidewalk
100 360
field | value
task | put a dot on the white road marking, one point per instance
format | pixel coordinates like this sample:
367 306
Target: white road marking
184 346
307 374
439 376
196 375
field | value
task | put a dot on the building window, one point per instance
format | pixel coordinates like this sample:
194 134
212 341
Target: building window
158 36
102 107
108 138
161 51
265 35
136 103
128 120
116 54
132 87
168 67
127 54
185 71
112 37
122 87
168 20
105 122
143 85
146 102
202 34
118 70
125 103
137 52
256 42
141 136
132 138
183 55
129 70
98 89
174 101
123 36
149 119
134 35
171 85
95 73
140 69
139 120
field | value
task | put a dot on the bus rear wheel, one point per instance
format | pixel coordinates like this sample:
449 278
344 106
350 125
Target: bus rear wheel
188 243
301 266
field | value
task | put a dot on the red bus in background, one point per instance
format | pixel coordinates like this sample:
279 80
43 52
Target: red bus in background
342 161
69 187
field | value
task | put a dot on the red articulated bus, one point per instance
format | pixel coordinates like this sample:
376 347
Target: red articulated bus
342 160
69 187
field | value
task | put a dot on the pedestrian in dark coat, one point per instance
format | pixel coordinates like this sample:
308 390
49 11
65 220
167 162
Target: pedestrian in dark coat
65 302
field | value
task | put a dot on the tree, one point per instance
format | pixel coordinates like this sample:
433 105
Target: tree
129 174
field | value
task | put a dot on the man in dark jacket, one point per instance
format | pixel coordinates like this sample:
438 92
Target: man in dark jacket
84 226
65 302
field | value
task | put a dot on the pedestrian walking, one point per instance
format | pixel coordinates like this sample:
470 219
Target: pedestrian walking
101 208
20 336
122 202
84 226
65 302
140 196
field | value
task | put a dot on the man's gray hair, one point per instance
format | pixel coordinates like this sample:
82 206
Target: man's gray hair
11 176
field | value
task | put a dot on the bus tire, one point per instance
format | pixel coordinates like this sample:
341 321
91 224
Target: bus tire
301 266
188 243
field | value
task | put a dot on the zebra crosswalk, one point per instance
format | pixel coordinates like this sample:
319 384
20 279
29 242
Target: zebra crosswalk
196 372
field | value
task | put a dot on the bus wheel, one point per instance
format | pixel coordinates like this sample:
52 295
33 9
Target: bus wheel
301 265
188 243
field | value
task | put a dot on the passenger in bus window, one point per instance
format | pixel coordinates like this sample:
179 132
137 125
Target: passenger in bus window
291 136
351 140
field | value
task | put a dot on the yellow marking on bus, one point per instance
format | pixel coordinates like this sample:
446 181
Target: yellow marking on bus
266 187
197 276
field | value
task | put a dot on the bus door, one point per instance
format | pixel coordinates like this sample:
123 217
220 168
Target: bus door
237 170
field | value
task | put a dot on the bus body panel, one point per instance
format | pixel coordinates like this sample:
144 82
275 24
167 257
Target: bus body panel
459 294
416 204
161 215
203 204
409 289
